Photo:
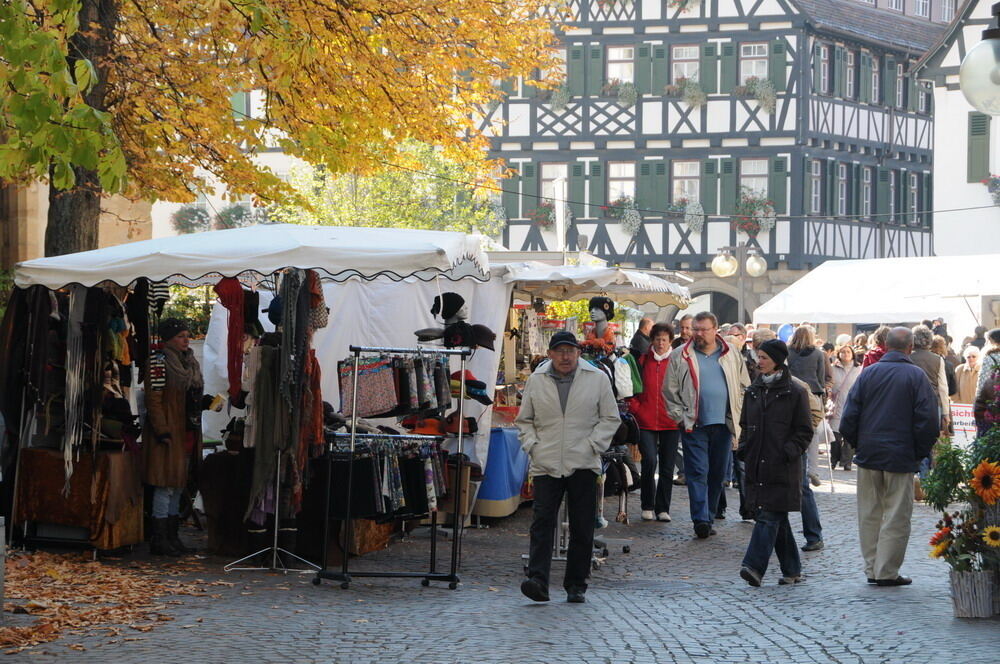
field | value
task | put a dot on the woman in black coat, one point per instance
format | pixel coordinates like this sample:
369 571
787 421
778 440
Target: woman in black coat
775 431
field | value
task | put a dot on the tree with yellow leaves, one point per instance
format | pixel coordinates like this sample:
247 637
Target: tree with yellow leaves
106 96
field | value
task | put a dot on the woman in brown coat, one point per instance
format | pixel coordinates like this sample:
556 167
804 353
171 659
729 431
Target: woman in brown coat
174 401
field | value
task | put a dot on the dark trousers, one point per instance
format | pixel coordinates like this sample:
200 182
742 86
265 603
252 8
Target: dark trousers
580 490
811 527
707 450
738 472
659 448
771 532
840 451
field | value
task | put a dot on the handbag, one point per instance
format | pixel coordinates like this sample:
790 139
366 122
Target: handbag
376 388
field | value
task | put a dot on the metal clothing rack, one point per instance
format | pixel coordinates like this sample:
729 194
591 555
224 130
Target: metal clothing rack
277 564
347 530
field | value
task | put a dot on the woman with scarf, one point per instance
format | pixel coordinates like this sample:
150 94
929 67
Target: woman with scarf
775 429
172 434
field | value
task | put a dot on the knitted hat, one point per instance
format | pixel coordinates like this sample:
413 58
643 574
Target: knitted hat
776 349
447 304
171 327
605 304
273 310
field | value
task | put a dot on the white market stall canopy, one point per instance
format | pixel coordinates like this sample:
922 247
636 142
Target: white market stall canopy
337 253
578 282
888 290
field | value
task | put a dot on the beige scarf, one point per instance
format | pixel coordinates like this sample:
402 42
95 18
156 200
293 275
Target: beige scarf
183 371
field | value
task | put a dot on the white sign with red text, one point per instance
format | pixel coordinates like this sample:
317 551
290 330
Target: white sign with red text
964 424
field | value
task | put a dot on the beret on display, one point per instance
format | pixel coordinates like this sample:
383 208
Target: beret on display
458 334
273 310
605 304
447 305
429 333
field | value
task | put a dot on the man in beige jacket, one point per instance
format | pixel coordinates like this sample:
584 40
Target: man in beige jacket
704 394
567 419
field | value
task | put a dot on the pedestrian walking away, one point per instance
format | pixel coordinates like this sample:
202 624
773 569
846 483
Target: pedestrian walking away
658 434
891 420
775 430
704 393
567 419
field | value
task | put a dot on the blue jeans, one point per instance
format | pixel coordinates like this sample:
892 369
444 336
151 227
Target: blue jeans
772 532
166 501
811 527
706 455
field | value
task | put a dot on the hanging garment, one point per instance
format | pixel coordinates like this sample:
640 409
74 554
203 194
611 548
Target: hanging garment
230 294
376 387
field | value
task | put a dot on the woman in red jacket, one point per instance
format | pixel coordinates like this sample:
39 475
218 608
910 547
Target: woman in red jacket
658 434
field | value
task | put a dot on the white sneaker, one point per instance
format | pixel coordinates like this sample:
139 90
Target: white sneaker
663 516
648 515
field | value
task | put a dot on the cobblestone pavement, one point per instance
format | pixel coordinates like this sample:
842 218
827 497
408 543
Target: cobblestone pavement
673 598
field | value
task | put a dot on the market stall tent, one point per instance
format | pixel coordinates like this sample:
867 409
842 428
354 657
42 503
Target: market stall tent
890 290
337 253
579 282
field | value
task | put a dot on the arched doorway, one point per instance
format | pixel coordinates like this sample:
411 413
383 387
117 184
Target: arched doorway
722 305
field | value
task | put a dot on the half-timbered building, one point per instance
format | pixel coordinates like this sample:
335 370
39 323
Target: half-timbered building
806 106
966 144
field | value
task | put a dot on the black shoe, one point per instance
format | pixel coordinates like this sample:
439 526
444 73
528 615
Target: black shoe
721 516
173 528
871 580
576 596
159 543
702 529
814 546
898 581
751 576
533 590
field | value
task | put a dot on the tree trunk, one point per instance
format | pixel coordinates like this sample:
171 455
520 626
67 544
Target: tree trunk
74 214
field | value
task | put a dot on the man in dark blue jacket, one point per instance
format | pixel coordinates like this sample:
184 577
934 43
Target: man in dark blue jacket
891 420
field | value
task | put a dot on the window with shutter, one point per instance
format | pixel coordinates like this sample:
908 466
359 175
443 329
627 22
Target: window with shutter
707 69
979 147
708 189
660 75
778 68
510 196
595 70
777 185
575 72
529 189
728 81
643 69
729 193
597 189
577 191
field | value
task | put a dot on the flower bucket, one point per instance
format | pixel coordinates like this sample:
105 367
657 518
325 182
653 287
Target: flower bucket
996 592
972 593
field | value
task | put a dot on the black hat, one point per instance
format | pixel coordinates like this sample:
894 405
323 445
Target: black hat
776 349
458 334
605 304
563 338
483 336
171 327
273 310
447 304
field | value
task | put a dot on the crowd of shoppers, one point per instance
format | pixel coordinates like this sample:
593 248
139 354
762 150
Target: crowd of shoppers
734 404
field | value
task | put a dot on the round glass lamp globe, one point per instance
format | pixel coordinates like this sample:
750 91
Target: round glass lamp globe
979 76
724 265
756 265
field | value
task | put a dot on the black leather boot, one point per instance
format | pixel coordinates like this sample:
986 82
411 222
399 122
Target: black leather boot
173 525
159 544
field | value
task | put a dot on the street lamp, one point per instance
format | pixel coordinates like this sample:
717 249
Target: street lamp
979 76
741 260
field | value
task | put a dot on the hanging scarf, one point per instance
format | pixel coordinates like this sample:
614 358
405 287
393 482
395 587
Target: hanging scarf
74 380
231 296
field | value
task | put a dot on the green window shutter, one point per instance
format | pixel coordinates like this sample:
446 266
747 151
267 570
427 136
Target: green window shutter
529 189
903 196
511 196
729 68
837 73
927 199
661 186
707 69
574 71
817 64
865 86
241 105
597 188
912 93
645 197
856 186
830 190
577 190
661 70
777 68
806 185
643 69
979 147
777 185
889 82
729 193
882 195
709 186
595 70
